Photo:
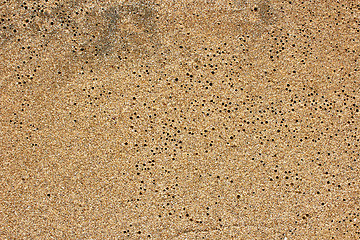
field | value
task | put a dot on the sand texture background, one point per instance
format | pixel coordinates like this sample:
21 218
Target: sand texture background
203 119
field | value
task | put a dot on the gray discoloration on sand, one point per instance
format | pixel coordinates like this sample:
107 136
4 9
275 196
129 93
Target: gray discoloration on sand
266 12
